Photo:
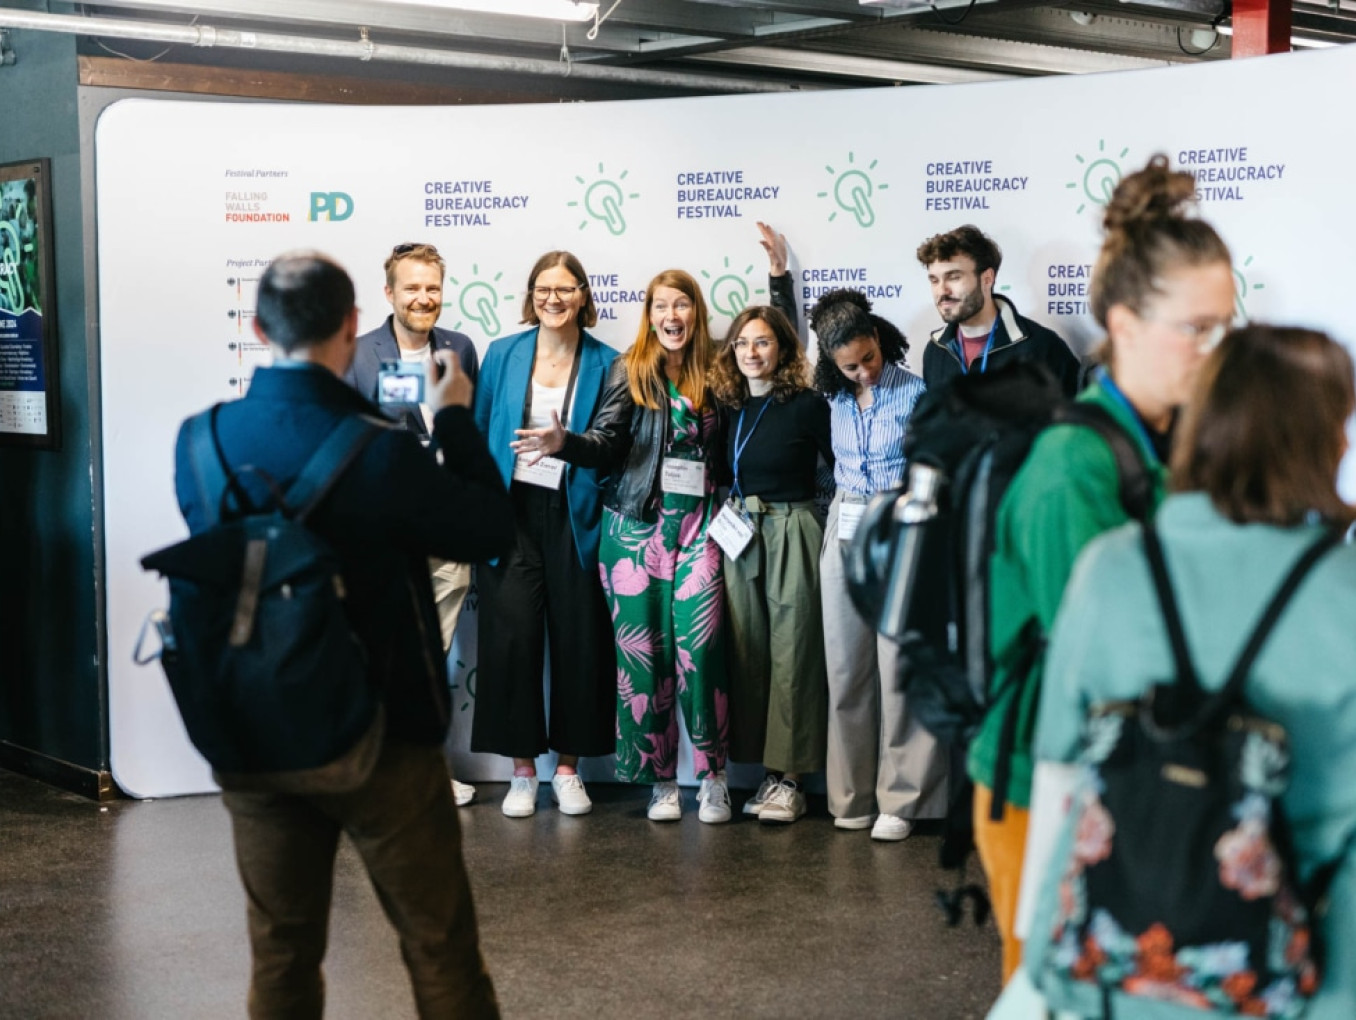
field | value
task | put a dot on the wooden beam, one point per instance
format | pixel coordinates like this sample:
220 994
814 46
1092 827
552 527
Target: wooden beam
1261 27
114 72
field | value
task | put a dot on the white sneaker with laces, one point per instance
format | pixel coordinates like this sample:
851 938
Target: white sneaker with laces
666 803
755 803
521 801
854 823
463 793
714 798
568 792
784 804
891 828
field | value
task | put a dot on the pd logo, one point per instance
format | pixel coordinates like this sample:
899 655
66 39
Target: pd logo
330 205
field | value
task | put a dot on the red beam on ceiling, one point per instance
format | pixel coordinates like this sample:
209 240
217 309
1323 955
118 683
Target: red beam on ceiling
1261 27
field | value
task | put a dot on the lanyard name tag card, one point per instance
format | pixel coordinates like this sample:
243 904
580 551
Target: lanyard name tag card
849 517
731 530
683 477
546 473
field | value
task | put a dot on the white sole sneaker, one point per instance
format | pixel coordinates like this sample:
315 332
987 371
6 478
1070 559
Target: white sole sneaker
463 793
521 800
714 798
891 829
854 824
666 803
569 794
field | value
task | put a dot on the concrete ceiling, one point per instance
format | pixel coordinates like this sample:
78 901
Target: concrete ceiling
716 45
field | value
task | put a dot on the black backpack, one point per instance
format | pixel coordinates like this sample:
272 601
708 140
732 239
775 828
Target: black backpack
1180 881
267 672
918 567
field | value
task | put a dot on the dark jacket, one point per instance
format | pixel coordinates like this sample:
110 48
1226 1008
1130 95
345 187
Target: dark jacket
380 345
1015 338
499 414
390 511
633 439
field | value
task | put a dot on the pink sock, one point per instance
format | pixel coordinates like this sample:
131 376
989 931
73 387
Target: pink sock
566 770
525 770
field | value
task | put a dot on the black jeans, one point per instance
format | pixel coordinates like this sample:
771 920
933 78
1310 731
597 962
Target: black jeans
404 825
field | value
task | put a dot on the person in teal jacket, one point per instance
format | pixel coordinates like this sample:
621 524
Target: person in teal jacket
1255 468
533 387
1163 290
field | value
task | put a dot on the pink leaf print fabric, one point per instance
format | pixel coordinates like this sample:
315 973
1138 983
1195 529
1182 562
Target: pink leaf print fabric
628 579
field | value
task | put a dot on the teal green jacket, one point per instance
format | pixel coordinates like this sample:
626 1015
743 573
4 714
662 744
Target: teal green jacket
1065 495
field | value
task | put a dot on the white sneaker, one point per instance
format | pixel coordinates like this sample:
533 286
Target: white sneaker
891 828
521 801
568 792
463 793
666 803
714 798
855 823
784 804
755 803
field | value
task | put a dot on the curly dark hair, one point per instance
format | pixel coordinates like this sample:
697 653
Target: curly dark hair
840 317
793 368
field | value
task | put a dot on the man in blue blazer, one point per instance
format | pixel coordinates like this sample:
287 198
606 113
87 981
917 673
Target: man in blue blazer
414 287
393 508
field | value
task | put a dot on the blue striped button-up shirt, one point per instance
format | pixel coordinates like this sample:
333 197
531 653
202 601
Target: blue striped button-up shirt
868 444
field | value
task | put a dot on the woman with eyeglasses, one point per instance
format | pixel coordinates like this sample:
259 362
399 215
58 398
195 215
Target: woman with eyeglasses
1163 290
533 387
883 768
660 569
777 430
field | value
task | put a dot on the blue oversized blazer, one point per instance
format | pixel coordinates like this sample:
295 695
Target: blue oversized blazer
501 392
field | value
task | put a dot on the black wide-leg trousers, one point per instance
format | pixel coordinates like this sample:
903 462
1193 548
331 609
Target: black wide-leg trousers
539 591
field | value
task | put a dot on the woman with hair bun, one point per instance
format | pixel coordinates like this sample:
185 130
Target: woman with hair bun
883 768
1254 480
778 428
1163 290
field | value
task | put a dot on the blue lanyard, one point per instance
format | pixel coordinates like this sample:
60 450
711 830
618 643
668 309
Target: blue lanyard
984 358
1109 384
739 447
863 427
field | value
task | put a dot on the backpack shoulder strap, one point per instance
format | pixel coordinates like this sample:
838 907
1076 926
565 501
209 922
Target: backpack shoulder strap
1136 482
340 449
209 474
1261 630
1167 604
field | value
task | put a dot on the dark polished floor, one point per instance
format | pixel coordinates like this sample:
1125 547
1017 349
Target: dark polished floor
132 911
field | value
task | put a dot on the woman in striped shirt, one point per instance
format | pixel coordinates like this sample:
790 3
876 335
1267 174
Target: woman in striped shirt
882 766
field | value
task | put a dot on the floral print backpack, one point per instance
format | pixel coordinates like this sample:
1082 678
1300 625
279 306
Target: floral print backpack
1177 884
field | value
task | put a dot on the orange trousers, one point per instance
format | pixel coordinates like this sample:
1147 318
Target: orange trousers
1001 846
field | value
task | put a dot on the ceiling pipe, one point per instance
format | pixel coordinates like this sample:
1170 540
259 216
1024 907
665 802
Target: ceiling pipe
366 50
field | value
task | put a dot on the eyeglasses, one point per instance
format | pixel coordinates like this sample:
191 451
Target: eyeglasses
1206 337
762 345
564 293
409 246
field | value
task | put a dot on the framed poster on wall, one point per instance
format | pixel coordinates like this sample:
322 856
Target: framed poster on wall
30 391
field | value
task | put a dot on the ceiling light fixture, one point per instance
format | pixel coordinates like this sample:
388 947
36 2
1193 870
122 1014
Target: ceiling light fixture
552 10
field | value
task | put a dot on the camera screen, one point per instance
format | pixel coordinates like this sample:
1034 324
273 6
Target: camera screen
400 387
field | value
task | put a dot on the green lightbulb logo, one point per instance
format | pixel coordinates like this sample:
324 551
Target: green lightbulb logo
852 191
730 292
1242 289
1099 179
603 200
479 302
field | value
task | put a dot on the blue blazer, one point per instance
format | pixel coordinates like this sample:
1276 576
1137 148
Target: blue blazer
501 393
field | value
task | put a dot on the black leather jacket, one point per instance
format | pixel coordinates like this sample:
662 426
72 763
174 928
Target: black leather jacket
629 440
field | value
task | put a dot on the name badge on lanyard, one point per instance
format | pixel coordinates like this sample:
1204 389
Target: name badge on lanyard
849 517
683 477
731 530
546 473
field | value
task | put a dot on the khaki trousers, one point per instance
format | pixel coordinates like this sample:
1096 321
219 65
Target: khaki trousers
775 630
880 759
451 582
